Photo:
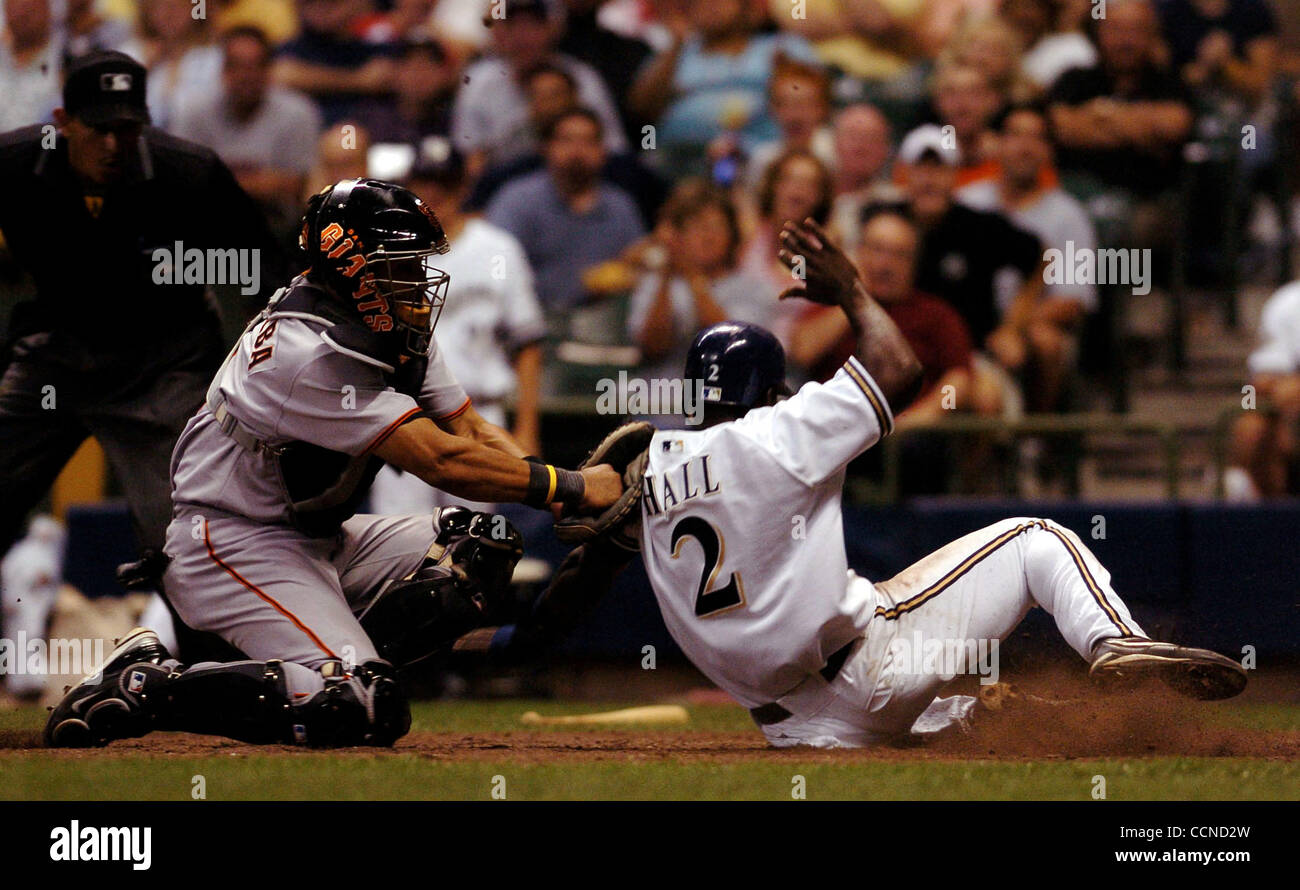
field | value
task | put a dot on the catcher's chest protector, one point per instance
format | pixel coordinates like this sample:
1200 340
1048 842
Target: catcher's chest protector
324 488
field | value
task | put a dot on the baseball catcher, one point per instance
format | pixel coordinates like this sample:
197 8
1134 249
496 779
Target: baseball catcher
317 605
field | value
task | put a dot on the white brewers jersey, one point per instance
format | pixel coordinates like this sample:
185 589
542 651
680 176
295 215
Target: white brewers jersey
743 537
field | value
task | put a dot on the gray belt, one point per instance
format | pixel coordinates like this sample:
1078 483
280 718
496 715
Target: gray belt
231 426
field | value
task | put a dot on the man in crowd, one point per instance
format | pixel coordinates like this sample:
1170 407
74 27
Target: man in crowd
988 269
566 216
490 122
1024 152
264 132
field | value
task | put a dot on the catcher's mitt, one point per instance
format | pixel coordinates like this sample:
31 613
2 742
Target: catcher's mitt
627 451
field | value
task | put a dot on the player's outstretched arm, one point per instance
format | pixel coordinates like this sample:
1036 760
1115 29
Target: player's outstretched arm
830 279
471 425
469 469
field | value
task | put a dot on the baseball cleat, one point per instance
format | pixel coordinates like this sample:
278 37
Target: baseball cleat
110 703
1195 673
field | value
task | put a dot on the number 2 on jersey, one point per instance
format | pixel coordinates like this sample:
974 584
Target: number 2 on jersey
708 602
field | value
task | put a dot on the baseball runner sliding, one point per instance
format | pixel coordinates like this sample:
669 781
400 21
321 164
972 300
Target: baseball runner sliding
778 620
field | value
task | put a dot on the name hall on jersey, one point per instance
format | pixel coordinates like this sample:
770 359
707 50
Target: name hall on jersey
678 487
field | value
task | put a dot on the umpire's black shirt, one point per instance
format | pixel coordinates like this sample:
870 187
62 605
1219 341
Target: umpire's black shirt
91 252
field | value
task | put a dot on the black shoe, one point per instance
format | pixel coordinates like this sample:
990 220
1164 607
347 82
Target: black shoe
1195 673
111 703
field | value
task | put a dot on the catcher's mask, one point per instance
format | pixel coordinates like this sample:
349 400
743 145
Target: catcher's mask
371 244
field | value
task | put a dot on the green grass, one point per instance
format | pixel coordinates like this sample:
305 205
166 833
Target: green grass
29 775
407 777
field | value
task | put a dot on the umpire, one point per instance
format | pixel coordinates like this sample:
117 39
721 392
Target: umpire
108 216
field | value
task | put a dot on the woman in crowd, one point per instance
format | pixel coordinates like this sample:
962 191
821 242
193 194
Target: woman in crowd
691 279
796 186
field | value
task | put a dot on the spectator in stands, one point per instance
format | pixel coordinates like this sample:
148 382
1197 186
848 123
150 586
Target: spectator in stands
425 78
1049 334
328 62
460 24
30 65
867 40
797 186
886 258
966 102
566 216
698 282
490 122
277 19
265 133
864 142
405 22
85 30
799 100
490 333
995 48
988 269
1265 449
939 20
616 57
1224 45
552 91
712 81
341 153
1123 120
1049 52
182 59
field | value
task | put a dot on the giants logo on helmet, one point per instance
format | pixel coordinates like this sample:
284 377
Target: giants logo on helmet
372 305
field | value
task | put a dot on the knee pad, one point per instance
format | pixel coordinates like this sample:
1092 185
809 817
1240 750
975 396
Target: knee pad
463 584
424 615
484 546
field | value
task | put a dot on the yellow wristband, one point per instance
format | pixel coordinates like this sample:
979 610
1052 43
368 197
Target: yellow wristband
550 492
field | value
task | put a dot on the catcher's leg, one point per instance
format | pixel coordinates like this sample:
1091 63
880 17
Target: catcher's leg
312 673
140 688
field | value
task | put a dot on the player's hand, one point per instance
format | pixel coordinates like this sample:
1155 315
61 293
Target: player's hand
828 275
604 486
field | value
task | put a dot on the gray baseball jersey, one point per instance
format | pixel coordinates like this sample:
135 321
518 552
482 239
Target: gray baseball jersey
239 567
287 381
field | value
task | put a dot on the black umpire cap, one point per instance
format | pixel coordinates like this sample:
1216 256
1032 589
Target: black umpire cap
105 87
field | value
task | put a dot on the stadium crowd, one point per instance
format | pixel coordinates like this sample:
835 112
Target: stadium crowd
613 174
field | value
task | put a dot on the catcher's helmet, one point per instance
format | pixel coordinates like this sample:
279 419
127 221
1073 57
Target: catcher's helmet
738 363
368 243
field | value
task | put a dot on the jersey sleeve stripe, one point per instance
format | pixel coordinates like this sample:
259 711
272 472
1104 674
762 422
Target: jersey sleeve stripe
457 413
265 597
879 403
392 428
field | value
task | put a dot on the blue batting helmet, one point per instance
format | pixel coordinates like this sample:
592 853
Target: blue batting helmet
737 362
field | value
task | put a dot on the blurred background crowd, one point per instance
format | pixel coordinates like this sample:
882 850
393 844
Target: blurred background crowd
613 176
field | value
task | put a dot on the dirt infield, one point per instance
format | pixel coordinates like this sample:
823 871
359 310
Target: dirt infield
1136 724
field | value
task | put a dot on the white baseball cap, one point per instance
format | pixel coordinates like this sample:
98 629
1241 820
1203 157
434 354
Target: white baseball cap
930 139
